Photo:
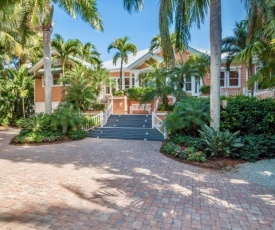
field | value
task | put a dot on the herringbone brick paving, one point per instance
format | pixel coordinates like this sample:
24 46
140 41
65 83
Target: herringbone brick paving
116 184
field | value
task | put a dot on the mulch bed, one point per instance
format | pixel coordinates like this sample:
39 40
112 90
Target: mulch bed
211 163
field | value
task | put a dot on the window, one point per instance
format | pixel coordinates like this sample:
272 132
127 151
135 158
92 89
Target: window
188 84
233 78
127 83
56 80
222 79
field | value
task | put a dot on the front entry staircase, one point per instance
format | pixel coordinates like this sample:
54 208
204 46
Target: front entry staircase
128 127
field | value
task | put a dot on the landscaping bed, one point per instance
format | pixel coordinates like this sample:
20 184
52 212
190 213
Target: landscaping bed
246 133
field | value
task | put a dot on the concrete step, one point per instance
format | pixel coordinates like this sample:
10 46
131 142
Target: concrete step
127 133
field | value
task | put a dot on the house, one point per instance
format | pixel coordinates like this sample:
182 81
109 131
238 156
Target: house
57 87
233 81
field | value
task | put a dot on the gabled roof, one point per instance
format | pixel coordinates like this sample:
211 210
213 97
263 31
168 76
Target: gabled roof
133 60
54 52
142 56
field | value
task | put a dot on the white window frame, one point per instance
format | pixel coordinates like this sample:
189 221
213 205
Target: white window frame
225 77
60 83
185 81
237 69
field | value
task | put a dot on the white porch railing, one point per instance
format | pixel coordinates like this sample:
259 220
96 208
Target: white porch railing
140 107
107 114
266 93
159 125
93 121
262 94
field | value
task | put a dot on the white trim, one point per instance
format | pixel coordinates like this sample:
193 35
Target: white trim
235 68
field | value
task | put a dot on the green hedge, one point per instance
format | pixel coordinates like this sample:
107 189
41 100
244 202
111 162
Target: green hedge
256 147
249 115
136 94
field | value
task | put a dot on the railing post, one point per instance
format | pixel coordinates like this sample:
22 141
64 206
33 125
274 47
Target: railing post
164 131
153 119
101 119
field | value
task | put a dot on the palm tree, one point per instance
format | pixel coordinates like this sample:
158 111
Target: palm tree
185 14
20 83
182 14
123 48
233 45
87 52
65 49
82 91
39 15
215 63
162 86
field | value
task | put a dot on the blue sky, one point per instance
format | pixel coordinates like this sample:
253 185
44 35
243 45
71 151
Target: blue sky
140 27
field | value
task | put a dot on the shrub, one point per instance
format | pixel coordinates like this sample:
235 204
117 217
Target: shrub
162 107
77 134
98 106
205 89
28 136
220 144
192 155
257 146
249 115
171 148
66 118
189 116
120 93
35 123
136 94
188 141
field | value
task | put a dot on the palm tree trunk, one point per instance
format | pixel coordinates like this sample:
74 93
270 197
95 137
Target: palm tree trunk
23 107
47 69
121 65
63 75
215 68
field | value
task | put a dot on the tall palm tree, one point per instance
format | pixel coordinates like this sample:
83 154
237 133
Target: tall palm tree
65 49
215 63
39 14
185 14
87 52
182 14
123 48
233 45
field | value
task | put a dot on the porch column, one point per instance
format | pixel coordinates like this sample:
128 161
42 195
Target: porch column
117 84
123 80
130 79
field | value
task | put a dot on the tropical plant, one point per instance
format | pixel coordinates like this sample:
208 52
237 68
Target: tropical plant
185 14
65 50
161 85
39 14
35 123
87 52
220 144
66 118
20 83
82 91
189 116
123 48
137 93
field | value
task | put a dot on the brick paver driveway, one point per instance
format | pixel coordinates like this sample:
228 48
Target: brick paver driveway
112 184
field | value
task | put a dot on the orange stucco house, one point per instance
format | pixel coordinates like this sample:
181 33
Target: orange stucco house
233 82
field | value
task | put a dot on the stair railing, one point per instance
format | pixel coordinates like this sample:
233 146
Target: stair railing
159 125
107 114
93 121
